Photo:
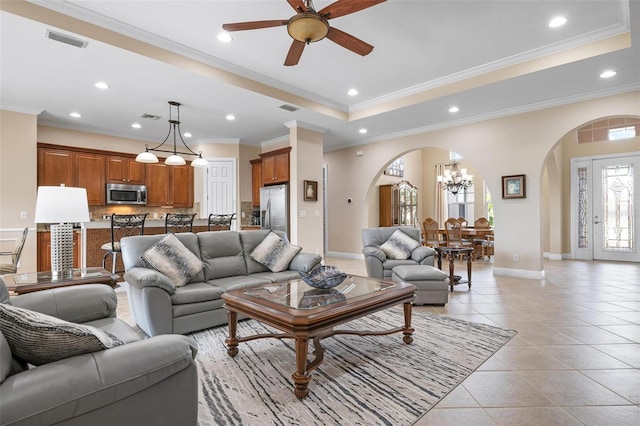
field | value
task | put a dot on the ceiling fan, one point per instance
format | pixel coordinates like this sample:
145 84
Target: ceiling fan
308 26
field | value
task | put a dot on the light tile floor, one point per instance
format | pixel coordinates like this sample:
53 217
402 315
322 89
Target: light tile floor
575 359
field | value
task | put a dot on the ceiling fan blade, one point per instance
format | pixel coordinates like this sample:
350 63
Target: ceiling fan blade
349 42
345 7
254 25
298 5
295 51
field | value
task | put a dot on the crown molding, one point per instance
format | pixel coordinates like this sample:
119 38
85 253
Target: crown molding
21 109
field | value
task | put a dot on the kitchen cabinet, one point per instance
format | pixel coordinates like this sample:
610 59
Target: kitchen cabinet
399 204
125 170
170 186
275 166
44 250
256 181
76 169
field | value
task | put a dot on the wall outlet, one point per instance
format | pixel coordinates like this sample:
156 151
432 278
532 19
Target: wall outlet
516 257
23 215
303 213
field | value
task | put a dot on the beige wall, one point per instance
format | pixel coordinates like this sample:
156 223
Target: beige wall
18 184
517 144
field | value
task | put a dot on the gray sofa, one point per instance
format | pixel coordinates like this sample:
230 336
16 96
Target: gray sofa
159 307
377 263
145 381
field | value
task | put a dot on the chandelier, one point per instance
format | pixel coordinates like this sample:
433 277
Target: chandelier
454 180
174 159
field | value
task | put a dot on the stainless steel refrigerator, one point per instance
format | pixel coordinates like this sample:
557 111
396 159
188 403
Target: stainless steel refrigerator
274 208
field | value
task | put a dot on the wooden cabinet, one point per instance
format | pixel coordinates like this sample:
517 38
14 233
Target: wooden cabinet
275 166
77 169
44 250
169 185
256 181
399 204
125 170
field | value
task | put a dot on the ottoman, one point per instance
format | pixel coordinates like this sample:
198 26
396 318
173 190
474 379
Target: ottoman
432 284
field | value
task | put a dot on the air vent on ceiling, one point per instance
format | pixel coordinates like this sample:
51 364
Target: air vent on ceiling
150 117
66 39
289 108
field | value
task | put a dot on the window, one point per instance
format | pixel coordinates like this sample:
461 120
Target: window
396 168
488 206
622 133
461 204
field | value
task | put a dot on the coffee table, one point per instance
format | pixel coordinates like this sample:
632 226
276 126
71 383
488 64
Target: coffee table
303 313
36 281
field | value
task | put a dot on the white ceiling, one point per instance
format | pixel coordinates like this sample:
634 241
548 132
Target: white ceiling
490 58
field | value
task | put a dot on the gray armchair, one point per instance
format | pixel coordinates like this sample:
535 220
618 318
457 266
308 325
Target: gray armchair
145 381
378 265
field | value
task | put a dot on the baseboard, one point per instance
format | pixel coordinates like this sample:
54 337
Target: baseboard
341 255
519 273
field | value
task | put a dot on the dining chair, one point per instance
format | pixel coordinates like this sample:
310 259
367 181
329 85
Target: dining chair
480 242
430 230
453 228
178 222
122 225
12 268
220 222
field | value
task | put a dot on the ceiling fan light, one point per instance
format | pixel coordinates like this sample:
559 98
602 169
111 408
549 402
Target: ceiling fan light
175 160
146 157
308 27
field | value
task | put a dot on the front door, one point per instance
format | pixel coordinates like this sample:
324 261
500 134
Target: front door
616 208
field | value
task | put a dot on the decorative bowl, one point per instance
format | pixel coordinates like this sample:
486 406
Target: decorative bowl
324 277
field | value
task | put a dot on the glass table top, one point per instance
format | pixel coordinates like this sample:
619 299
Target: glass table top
46 277
297 294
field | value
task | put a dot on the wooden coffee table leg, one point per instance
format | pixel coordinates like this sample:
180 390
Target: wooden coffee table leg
232 340
451 275
408 330
301 378
469 268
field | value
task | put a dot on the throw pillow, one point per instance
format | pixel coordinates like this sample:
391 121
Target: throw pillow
399 246
39 339
275 253
171 258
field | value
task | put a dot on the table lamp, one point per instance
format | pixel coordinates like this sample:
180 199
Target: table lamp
63 206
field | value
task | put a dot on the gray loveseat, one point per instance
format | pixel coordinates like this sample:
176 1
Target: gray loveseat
145 381
159 307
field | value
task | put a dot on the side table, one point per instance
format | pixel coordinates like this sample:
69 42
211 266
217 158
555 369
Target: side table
36 281
452 252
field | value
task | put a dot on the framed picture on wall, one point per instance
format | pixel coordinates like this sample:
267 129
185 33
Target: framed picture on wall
310 190
514 186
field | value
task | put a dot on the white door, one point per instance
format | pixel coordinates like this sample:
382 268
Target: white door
221 187
616 208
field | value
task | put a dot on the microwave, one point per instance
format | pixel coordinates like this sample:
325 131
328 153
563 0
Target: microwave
118 193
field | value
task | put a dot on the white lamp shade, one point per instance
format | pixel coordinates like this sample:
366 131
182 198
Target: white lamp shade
199 162
61 204
175 160
146 157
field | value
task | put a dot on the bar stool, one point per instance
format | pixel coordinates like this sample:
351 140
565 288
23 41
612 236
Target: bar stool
178 222
220 222
122 225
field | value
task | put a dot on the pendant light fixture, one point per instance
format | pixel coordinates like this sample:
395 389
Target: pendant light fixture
454 180
175 159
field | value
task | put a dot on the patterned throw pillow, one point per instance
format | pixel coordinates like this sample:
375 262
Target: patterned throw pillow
39 339
275 253
171 258
399 246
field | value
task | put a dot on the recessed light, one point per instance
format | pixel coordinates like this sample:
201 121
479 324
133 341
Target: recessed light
230 117
75 115
608 74
558 21
102 85
136 126
187 135
224 37
454 109
352 92
362 131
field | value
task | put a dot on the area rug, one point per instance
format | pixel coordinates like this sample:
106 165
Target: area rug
372 380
